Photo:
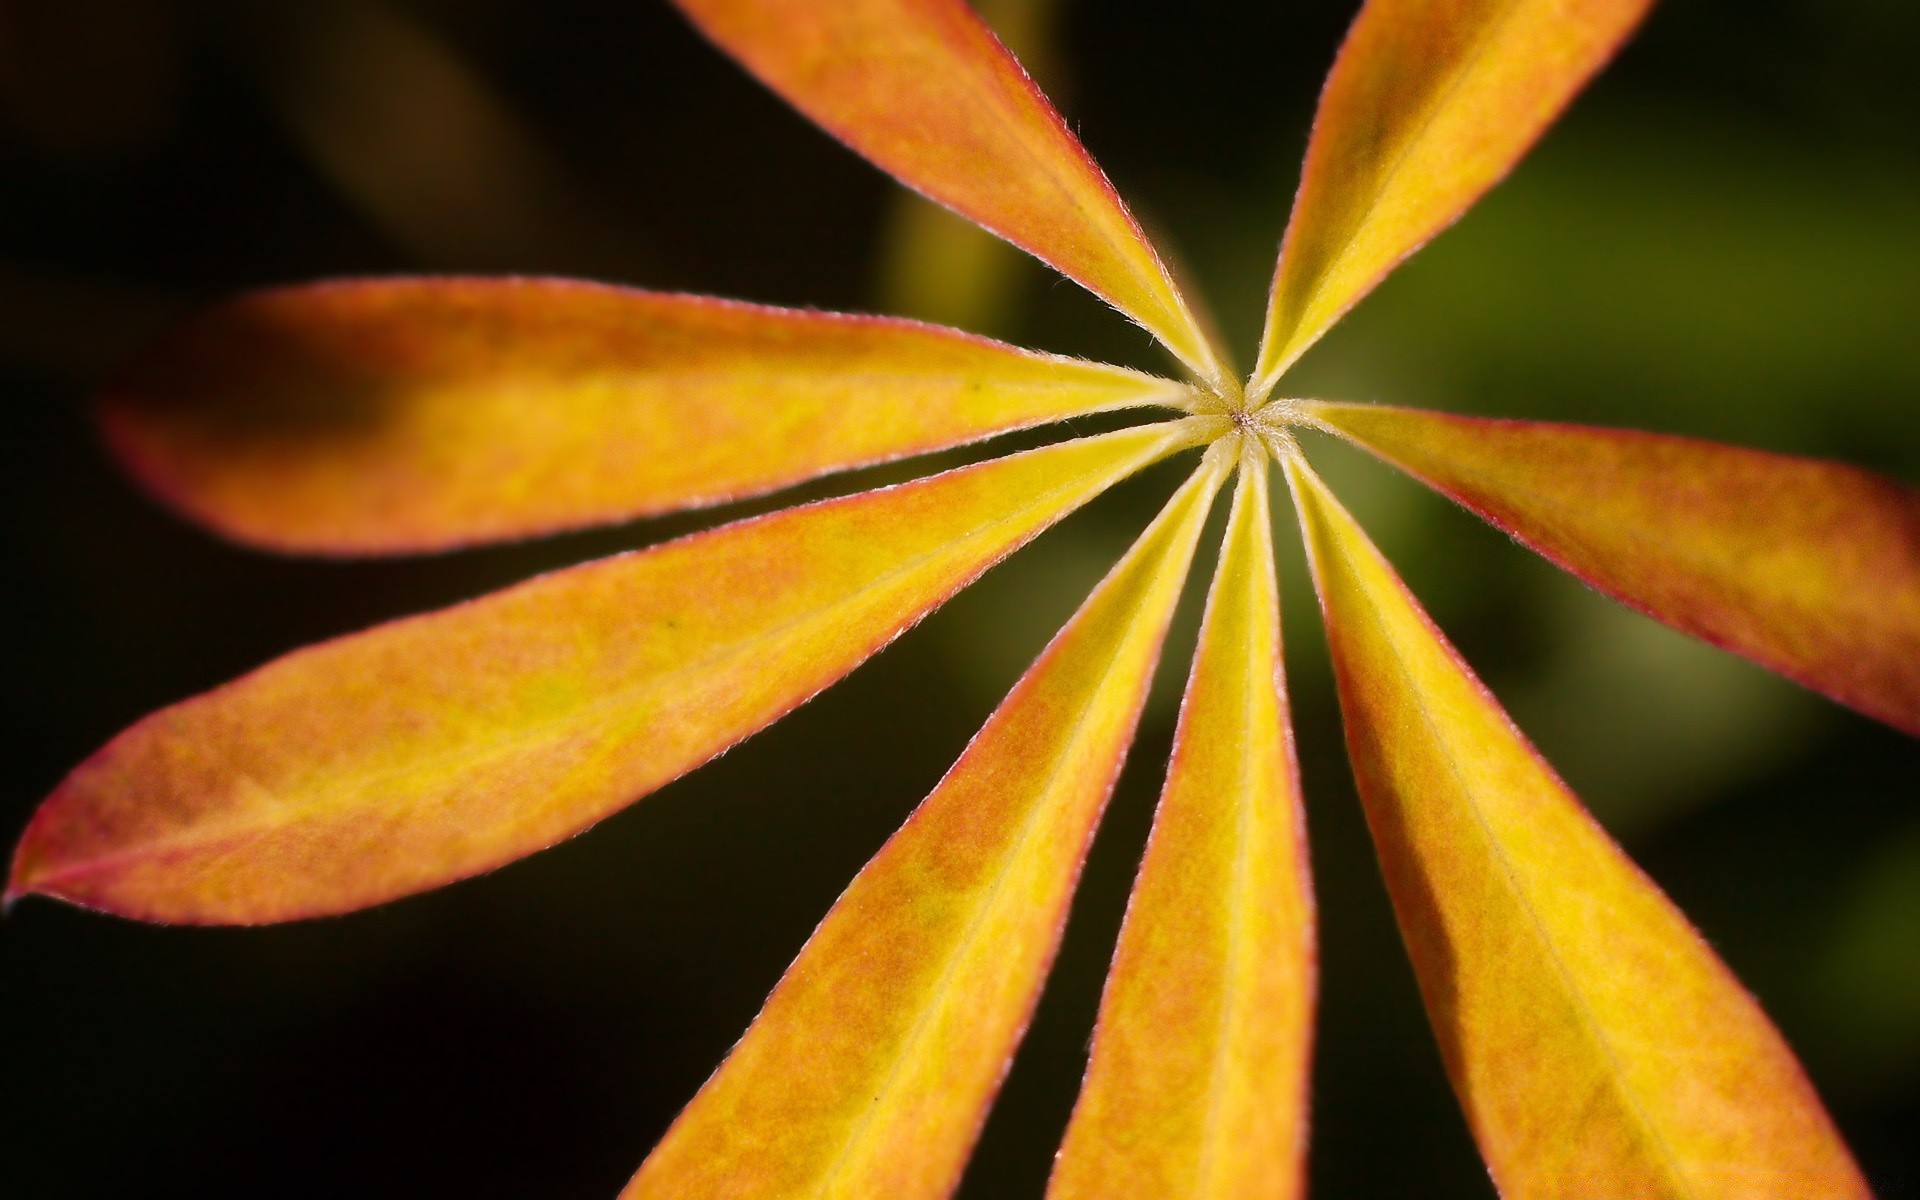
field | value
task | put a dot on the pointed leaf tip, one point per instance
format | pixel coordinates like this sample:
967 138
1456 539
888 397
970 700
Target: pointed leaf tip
1596 1043
1196 1088
871 1068
1428 105
924 90
1809 568
397 416
436 747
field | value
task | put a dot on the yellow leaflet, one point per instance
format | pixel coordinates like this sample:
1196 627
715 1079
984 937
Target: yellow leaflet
1598 1046
1429 104
406 415
924 90
436 747
1811 568
871 1067
1197 1086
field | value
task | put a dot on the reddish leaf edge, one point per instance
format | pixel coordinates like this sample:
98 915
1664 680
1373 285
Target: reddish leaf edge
1303 484
153 479
1211 371
1179 522
1261 386
1302 411
1183 434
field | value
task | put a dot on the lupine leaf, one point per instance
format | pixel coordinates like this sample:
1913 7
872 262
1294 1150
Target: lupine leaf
1598 1046
1811 568
870 1069
1197 1084
924 90
429 749
405 415
1428 105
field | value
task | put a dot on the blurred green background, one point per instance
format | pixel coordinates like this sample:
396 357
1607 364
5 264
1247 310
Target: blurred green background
1722 239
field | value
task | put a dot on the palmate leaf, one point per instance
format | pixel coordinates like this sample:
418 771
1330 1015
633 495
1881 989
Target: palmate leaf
1430 103
1596 1043
1598 1046
390 416
1197 1084
870 1069
1810 568
436 747
924 90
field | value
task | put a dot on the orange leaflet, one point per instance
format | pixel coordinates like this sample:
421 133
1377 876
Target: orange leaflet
1810 568
871 1067
406 415
924 90
433 748
1197 1086
1429 104
1597 1045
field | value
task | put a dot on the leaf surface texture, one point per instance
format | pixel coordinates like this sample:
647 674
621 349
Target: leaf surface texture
1197 1084
1810 568
870 1070
1429 104
1596 1043
406 415
436 747
924 90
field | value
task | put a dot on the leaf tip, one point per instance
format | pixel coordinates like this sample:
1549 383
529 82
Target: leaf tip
52 862
24 878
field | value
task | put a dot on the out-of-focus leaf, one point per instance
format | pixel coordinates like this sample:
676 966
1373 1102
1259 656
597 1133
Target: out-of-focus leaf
870 1069
422 143
1197 1085
1428 105
1811 568
938 266
1598 1046
407 415
924 90
437 747
1867 985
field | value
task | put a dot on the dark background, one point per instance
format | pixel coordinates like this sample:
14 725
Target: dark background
1723 239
